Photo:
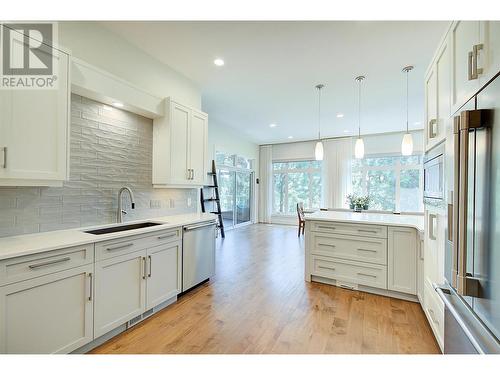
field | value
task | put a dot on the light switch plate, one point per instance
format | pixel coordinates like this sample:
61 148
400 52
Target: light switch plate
155 203
189 201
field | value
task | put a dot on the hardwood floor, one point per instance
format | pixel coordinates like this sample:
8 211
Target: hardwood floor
258 302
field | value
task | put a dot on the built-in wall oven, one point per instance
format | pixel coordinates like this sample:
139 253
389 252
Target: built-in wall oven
434 174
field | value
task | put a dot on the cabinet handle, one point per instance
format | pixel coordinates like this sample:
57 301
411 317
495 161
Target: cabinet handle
433 317
150 265
367 230
144 268
370 250
120 246
90 285
470 75
167 236
366 274
474 71
432 130
326 244
327 268
432 236
35 266
325 227
192 174
4 149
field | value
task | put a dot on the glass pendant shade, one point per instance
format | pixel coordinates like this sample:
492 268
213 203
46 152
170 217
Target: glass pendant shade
407 145
359 149
318 151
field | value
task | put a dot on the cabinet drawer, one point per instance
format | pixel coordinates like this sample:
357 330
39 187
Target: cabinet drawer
30 266
126 245
365 230
434 310
353 272
364 249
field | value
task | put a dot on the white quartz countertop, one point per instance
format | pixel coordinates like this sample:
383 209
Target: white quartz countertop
15 246
413 221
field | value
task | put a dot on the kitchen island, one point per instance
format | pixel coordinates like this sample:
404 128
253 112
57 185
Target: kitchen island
372 252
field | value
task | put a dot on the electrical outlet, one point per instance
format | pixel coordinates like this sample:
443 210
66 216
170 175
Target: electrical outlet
189 201
154 203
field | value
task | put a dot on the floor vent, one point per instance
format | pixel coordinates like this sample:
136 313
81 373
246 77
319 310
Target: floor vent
134 321
350 286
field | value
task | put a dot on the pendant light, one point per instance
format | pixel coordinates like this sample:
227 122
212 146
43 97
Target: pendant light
359 148
318 150
407 143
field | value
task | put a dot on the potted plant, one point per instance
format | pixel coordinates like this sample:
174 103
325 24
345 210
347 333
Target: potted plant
358 203
350 199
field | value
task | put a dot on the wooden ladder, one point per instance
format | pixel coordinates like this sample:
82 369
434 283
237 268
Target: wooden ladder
214 197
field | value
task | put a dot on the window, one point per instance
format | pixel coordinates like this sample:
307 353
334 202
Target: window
294 182
394 183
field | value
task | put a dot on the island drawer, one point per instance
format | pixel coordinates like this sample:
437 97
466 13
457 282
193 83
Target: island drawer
364 249
126 245
30 266
373 275
365 230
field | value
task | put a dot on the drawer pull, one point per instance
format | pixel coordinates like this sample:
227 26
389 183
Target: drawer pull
90 282
327 268
167 236
367 230
325 227
433 317
370 250
326 244
120 246
366 274
49 263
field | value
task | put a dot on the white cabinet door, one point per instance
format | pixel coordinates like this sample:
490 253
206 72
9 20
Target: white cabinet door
464 36
179 153
489 57
164 273
198 145
431 128
402 260
443 95
34 127
48 314
120 291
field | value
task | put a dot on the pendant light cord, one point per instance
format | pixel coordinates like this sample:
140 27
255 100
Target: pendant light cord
319 113
359 109
407 101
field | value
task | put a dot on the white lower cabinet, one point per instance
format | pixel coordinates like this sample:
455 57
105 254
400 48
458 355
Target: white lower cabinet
164 273
402 260
120 291
47 314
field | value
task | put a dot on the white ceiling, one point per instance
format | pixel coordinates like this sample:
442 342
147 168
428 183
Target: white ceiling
271 69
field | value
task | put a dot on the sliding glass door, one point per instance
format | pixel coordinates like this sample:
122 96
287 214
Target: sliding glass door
235 189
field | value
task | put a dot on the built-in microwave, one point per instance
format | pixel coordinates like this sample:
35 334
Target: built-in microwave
434 173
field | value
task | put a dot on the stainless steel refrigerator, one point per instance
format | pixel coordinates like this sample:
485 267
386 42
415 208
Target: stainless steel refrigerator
471 293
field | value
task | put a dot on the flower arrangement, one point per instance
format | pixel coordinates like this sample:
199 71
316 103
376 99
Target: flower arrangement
358 203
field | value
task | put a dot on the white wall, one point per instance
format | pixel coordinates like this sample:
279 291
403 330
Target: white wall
102 48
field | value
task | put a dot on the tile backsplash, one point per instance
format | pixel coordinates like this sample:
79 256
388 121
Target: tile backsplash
110 148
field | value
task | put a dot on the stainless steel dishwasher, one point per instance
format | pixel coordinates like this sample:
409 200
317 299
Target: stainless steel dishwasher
198 254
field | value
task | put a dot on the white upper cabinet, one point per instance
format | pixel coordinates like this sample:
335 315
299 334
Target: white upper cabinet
431 124
34 131
489 57
179 146
465 41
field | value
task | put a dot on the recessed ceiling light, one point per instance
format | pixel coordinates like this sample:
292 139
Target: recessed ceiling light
340 115
290 136
219 62
117 104
273 125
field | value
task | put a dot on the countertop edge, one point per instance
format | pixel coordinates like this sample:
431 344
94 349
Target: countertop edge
372 222
86 238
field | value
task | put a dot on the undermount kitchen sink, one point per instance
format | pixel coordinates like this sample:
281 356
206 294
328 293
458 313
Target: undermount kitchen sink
123 227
